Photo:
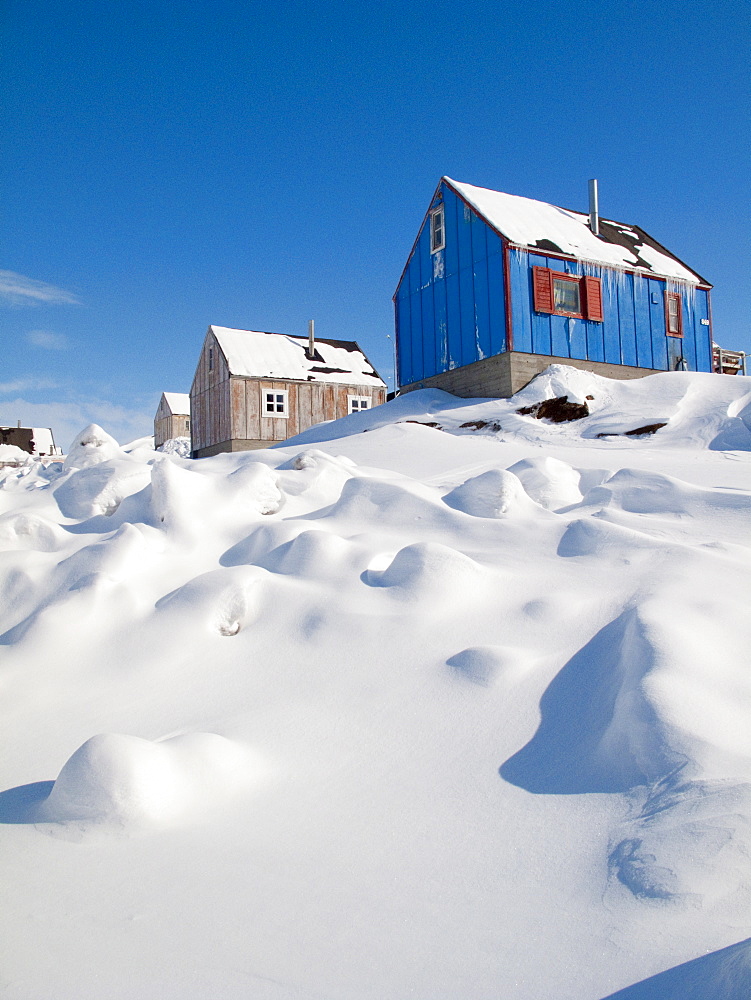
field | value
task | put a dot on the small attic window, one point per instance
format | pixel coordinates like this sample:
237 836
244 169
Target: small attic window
211 359
437 231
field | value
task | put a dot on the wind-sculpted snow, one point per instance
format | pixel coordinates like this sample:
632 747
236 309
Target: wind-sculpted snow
495 493
127 782
385 714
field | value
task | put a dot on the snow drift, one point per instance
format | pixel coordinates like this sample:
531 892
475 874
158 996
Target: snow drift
386 714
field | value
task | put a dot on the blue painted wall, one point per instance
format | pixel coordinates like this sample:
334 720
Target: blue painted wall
450 308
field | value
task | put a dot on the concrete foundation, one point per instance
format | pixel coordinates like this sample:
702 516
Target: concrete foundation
504 374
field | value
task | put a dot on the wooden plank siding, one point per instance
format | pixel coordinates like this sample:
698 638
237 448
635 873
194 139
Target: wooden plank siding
228 412
210 398
168 425
245 426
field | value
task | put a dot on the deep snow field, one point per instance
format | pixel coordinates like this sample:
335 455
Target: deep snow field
451 712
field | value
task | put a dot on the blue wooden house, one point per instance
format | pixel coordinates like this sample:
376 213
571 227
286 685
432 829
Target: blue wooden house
498 287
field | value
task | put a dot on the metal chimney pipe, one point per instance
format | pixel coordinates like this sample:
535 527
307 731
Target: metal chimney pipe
311 339
594 211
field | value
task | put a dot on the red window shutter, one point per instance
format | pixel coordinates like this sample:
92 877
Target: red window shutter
542 285
593 299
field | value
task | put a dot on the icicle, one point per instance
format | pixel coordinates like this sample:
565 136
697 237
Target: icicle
687 292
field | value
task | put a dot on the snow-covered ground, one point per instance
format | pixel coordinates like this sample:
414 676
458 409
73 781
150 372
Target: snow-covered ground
448 712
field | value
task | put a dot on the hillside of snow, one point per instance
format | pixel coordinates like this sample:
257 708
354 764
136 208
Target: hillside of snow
442 700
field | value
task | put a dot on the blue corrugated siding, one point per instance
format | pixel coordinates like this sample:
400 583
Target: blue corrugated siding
450 308
633 327
656 293
702 337
644 354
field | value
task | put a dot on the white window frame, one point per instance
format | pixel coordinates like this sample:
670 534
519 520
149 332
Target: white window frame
355 403
437 242
284 402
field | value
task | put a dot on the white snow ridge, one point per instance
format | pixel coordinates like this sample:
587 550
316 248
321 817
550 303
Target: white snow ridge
448 711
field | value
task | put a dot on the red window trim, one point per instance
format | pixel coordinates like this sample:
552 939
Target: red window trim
676 297
590 294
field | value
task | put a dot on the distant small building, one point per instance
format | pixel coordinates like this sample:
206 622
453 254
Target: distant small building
253 389
497 287
172 418
36 441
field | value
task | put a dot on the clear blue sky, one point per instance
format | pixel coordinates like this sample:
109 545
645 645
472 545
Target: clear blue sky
256 164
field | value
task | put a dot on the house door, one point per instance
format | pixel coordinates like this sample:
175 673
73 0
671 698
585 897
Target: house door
676 361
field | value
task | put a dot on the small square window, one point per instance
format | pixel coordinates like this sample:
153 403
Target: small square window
356 404
437 231
275 403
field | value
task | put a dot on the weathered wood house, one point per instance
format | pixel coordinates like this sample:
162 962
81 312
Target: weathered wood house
252 389
172 418
498 287
37 441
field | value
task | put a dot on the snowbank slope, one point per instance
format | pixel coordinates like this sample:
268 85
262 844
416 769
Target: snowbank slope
439 700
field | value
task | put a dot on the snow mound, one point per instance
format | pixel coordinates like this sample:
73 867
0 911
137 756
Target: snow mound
99 488
431 572
312 554
495 493
124 781
92 446
719 975
10 454
257 486
179 446
224 601
548 481
600 731
30 531
390 504
485 665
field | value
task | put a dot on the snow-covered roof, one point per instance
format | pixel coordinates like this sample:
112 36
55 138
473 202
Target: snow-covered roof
540 226
178 402
254 354
44 443
40 439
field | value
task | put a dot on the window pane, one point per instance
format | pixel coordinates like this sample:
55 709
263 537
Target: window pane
364 403
566 295
673 325
436 230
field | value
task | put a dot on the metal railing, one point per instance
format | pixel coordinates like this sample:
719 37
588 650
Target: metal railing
728 362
